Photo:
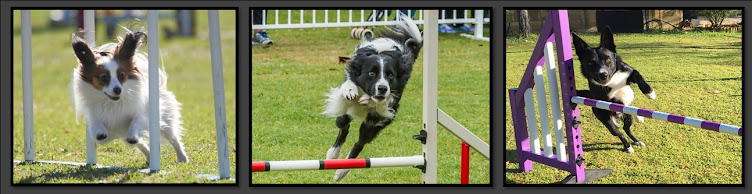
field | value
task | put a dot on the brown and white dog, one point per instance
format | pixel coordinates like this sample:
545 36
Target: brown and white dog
110 88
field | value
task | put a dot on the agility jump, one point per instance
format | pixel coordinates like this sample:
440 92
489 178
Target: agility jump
432 117
570 157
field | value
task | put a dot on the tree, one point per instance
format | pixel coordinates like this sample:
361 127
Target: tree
524 22
716 17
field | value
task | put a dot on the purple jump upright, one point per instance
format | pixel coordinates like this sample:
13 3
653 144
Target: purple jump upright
556 29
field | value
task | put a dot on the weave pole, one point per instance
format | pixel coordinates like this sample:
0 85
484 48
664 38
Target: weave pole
28 103
154 130
220 115
407 161
90 37
678 119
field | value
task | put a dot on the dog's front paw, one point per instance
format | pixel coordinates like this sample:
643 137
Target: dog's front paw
639 143
340 174
364 100
651 95
131 140
630 150
349 90
101 136
183 159
640 119
333 153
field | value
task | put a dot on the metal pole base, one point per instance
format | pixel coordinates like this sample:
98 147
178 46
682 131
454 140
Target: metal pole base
590 176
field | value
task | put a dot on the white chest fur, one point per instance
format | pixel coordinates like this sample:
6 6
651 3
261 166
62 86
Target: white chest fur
619 88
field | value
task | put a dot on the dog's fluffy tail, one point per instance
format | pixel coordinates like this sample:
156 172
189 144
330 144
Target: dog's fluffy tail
407 33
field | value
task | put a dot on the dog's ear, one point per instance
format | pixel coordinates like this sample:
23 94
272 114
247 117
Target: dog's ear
579 44
127 48
356 61
413 46
354 67
83 53
607 39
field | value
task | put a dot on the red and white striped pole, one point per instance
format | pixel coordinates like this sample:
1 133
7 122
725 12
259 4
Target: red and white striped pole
337 163
465 164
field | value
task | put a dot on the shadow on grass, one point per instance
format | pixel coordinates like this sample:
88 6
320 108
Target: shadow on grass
700 80
85 173
601 146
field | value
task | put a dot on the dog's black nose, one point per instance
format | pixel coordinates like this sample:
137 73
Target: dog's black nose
382 89
603 76
116 90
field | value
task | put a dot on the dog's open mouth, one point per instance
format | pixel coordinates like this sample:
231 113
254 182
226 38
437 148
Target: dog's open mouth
116 98
379 98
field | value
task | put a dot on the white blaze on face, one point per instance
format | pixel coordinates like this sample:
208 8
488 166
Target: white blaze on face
112 67
382 80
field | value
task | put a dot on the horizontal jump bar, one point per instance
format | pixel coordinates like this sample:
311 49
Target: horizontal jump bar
678 119
414 161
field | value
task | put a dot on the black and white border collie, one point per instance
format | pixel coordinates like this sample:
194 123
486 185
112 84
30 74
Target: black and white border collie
374 81
609 78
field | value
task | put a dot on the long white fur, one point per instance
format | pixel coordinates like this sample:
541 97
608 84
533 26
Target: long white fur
116 118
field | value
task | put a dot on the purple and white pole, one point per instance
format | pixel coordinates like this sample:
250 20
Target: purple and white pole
678 119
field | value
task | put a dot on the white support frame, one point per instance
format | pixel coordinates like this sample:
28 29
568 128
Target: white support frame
154 130
430 94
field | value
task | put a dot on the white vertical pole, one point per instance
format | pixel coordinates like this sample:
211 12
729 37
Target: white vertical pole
28 103
554 99
89 28
338 16
219 95
386 15
314 17
350 16
263 17
289 16
532 128
430 93
90 36
362 15
540 89
326 16
276 17
301 16
478 23
154 130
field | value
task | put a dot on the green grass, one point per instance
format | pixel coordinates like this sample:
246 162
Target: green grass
60 136
289 82
695 74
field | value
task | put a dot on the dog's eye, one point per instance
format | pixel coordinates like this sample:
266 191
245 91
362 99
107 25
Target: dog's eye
105 78
391 76
371 73
121 76
608 60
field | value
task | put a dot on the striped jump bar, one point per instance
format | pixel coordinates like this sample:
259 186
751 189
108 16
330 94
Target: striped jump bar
338 163
709 125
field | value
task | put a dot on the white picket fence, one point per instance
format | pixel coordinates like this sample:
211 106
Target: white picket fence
362 19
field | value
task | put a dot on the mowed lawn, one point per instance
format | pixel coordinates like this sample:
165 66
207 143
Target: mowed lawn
60 135
695 74
290 79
